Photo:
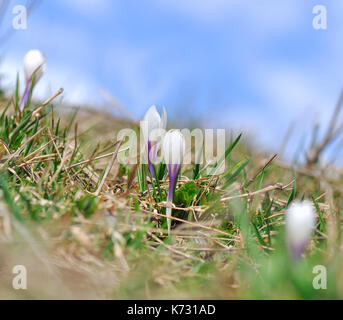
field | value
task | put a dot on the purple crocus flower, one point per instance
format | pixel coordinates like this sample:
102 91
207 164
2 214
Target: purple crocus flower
155 122
34 67
173 151
300 222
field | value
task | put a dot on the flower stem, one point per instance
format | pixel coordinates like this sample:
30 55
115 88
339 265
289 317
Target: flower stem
173 172
151 169
168 213
25 95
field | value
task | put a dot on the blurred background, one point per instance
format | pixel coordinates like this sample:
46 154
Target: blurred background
253 66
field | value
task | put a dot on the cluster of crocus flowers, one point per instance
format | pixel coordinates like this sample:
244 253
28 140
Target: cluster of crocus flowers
34 68
173 152
300 215
300 222
173 149
155 122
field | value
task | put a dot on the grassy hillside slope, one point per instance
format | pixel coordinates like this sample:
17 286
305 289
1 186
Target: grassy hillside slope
86 227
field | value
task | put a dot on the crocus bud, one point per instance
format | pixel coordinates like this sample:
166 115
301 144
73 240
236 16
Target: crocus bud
34 64
300 222
34 68
154 121
173 151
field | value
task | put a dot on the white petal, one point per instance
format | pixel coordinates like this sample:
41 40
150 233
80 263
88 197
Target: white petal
34 62
153 118
164 118
154 123
173 147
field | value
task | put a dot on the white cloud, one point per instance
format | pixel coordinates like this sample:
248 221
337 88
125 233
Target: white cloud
130 66
203 10
90 8
264 15
290 89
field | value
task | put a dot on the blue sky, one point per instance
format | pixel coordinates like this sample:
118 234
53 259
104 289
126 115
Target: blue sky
242 64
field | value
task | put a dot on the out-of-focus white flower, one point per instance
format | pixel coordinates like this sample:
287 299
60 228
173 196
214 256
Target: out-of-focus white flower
300 223
173 152
34 64
155 121
34 68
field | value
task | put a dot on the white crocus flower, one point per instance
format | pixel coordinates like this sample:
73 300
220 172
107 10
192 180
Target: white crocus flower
34 68
300 223
155 122
34 63
173 152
